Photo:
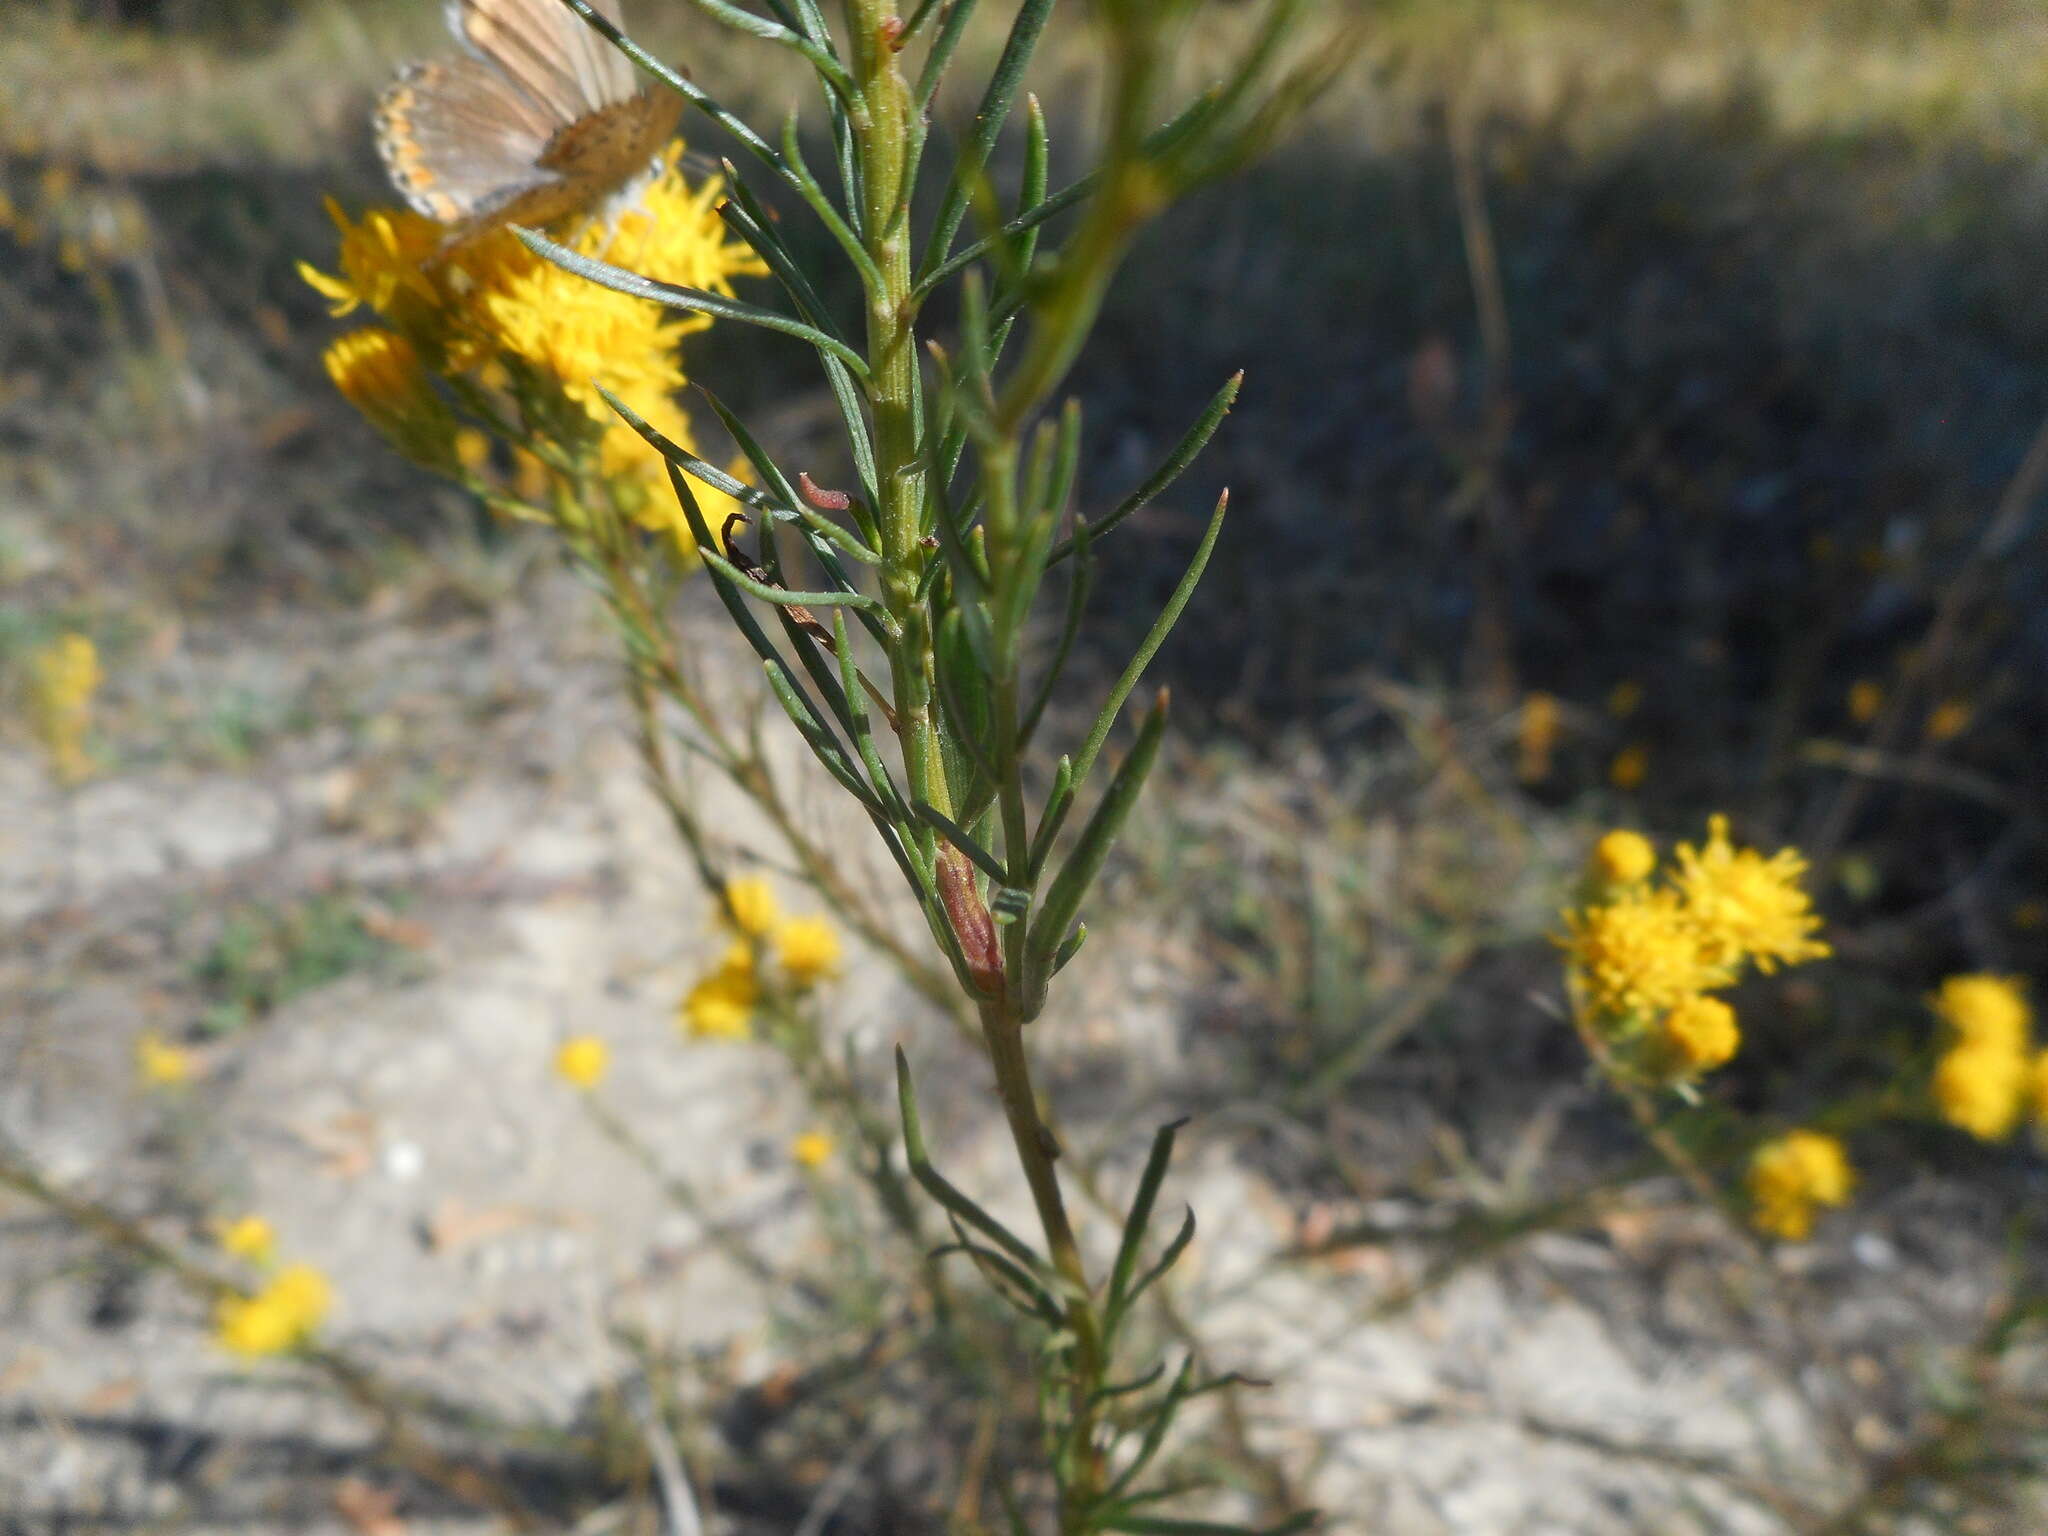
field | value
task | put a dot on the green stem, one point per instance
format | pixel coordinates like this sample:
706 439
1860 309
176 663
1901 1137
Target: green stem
1081 1485
884 130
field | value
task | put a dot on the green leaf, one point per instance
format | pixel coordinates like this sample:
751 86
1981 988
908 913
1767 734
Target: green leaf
1063 901
1167 1260
1154 638
860 728
936 1185
1184 453
782 596
989 118
695 300
1140 1217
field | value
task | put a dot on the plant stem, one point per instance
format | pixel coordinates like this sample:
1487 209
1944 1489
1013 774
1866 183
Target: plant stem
1036 1150
883 120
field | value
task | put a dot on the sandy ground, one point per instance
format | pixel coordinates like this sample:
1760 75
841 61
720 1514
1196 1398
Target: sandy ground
401 1128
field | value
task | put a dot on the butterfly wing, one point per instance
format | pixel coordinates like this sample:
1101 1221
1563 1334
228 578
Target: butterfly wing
547 51
458 138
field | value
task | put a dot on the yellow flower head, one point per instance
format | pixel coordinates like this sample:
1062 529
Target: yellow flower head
1623 857
1982 1089
808 948
750 906
813 1149
249 1238
283 1316
582 1060
1866 698
381 261
1987 1011
721 1006
1700 1034
1748 907
1791 1176
379 373
162 1064
1639 954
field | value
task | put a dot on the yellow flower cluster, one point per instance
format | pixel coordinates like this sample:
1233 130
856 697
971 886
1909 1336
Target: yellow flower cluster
805 951
63 678
522 345
1988 1078
280 1317
248 1238
812 1150
1793 1175
581 1061
1644 952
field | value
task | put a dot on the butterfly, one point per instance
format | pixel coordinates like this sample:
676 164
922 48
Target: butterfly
537 119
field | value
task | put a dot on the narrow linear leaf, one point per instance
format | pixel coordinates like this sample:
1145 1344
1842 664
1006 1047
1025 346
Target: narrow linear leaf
1184 453
1084 761
695 300
1155 1432
1005 1276
1060 201
989 118
784 598
1167 1260
936 1185
1058 806
823 744
1140 1217
1070 948
853 686
943 48
1063 900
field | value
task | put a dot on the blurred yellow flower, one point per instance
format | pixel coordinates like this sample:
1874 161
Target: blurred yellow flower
64 676
750 906
808 948
581 1061
162 1064
381 258
1624 698
282 1316
1866 698
1948 720
1639 954
1791 1176
1623 857
2037 1090
379 373
1630 767
1700 1034
249 1238
813 1149
1536 736
1748 907
1982 1089
721 1006
1987 1011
